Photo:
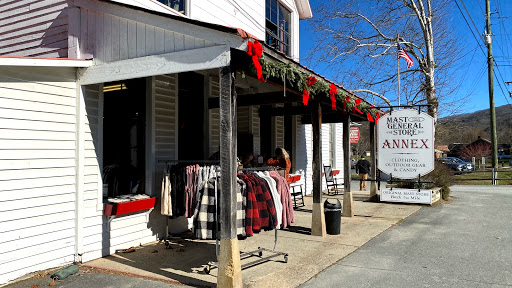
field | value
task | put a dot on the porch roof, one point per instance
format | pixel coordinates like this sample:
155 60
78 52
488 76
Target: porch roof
229 48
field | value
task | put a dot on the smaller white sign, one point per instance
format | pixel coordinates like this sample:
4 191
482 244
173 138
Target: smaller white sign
406 196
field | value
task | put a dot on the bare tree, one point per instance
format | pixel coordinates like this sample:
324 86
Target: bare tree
477 150
358 40
471 134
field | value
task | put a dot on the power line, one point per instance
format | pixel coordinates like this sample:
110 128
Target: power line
469 15
469 26
479 45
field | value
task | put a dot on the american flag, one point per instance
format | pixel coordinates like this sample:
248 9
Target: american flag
403 54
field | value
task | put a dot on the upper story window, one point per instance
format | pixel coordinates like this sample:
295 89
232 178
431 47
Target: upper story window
178 5
278 26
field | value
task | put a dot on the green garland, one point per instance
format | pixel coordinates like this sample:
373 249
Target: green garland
298 80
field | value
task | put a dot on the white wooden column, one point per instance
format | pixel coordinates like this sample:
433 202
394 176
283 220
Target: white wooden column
80 167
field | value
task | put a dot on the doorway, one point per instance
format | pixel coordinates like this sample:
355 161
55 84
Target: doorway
191 140
124 141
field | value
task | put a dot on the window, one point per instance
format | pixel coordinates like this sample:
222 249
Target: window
278 26
178 5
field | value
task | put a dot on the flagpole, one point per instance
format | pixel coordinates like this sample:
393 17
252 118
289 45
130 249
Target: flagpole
398 67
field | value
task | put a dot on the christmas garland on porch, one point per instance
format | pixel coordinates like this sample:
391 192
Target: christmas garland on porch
309 84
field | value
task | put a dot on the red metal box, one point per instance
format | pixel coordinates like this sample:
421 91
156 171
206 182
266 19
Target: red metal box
127 207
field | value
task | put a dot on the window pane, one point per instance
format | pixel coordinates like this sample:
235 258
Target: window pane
178 5
277 26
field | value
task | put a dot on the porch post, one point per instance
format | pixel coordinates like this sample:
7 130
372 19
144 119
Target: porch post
230 272
347 194
373 167
318 221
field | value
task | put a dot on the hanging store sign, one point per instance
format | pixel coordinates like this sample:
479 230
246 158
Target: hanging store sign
354 134
406 144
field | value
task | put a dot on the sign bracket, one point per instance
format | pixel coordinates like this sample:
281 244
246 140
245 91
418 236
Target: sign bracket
415 106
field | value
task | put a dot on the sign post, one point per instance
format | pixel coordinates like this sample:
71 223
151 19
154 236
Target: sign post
406 151
354 135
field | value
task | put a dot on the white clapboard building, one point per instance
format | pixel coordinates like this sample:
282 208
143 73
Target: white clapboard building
91 84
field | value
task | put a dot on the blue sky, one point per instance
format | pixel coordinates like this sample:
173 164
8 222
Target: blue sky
472 76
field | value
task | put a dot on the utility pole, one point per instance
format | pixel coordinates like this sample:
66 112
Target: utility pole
488 41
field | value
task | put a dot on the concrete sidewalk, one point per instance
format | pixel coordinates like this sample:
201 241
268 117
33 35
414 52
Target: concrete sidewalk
308 255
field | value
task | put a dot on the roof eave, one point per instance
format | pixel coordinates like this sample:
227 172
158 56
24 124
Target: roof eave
304 9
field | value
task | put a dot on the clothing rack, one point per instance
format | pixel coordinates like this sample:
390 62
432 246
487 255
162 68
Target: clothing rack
258 252
190 161
264 168
213 162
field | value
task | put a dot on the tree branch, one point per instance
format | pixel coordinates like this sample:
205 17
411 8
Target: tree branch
374 93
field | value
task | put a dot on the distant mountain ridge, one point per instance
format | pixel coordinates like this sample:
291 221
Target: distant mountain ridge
465 128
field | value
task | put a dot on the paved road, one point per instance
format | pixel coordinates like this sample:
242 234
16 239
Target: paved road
464 243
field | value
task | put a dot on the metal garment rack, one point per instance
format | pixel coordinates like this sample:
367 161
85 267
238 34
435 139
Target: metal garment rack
258 252
192 162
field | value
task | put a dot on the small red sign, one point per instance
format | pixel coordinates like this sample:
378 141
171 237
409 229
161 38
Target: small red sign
354 134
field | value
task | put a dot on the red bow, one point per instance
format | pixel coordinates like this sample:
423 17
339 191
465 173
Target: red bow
358 101
345 104
377 118
255 50
370 118
305 93
333 91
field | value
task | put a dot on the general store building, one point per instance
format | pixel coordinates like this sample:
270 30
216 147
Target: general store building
86 84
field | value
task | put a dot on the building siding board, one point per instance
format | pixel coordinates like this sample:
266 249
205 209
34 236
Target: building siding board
242 116
57 257
278 129
165 123
214 117
92 176
325 144
339 148
247 15
305 153
27 28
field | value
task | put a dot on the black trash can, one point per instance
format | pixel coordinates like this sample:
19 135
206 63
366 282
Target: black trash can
332 217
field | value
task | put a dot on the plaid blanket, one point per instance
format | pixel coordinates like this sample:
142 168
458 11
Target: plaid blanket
205 213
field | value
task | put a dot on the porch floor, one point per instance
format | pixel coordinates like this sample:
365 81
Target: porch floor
308 255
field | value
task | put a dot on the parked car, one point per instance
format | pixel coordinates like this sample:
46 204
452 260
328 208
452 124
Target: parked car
459 167
456 165
503 156
468 167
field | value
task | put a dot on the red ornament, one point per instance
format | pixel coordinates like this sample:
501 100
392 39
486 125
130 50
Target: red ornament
255 50
333 91
305 92
345 104
377 118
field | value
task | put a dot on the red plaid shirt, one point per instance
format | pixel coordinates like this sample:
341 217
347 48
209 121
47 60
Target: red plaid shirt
260 210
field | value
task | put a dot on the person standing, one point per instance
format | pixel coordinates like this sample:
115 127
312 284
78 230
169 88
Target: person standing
363 168
281 159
